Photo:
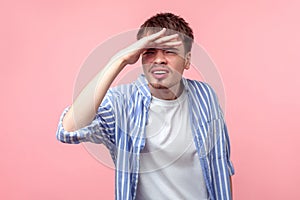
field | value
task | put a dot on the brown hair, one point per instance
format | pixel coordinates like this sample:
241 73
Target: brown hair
172 23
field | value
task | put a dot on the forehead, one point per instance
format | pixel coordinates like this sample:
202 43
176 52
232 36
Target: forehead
146 31
178 49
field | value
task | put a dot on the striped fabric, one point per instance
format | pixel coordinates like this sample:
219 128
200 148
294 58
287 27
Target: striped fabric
120 125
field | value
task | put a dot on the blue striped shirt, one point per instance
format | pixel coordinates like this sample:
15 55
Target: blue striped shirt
120 125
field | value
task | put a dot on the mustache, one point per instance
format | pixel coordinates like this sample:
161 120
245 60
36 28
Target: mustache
153 66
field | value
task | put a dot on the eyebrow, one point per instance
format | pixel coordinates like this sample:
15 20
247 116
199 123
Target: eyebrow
164 49
151 49
170 49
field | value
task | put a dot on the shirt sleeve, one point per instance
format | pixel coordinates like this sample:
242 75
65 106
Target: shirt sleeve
100 130
221 165
227 151
222 149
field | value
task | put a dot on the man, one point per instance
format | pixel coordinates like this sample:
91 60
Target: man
166 134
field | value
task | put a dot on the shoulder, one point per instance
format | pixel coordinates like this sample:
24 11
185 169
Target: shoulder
123 89
135 90
200 88
121 93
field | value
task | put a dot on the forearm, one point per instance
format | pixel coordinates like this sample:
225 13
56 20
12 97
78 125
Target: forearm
85 106
83 110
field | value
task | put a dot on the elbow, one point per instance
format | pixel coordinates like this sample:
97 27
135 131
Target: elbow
65 132
66 137
60 136
68 124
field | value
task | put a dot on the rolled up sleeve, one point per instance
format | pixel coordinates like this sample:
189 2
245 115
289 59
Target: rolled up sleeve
100 130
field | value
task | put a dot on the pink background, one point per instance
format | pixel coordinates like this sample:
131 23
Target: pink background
255 45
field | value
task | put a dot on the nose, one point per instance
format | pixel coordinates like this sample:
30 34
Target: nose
160 57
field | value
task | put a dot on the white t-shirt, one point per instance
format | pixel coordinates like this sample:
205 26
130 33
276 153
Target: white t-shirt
169 164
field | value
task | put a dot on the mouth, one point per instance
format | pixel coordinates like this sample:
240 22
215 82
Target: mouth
159 73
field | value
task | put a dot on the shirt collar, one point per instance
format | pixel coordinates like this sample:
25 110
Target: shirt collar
142 85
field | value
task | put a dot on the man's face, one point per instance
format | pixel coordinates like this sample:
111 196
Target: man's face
164 66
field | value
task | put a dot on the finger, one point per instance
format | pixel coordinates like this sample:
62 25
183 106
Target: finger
166 38
171 44
156 35
164 45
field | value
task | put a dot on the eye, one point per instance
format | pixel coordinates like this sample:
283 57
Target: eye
171 52
149 52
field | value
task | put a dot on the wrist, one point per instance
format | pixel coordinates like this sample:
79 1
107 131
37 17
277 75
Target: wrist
119 62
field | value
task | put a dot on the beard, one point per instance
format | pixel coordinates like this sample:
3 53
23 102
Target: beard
158 86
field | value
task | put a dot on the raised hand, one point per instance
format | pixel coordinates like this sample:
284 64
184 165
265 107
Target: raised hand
131 54
91 97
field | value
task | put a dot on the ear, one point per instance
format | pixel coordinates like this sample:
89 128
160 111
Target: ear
187 60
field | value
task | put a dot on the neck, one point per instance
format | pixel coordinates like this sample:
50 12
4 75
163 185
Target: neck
167 93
